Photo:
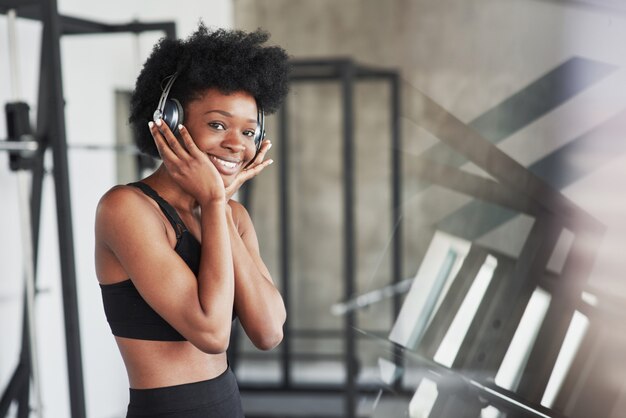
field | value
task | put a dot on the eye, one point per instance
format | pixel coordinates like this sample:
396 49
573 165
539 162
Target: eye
217 125
249 133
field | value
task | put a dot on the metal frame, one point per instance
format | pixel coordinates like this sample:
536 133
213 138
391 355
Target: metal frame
345 72
51 133
348 72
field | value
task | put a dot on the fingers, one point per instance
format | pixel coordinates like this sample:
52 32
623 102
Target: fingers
265 147
246 175
253 171
188 142
258 164
161 143
171 141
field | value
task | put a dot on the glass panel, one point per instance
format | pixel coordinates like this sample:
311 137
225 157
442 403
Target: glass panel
502 129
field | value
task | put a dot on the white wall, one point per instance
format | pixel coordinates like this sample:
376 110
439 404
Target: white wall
94 66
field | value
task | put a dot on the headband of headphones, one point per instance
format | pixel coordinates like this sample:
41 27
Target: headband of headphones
171 112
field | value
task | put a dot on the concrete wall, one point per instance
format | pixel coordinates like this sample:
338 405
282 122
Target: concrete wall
446 50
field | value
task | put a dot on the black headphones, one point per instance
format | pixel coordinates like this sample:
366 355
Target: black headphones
171 112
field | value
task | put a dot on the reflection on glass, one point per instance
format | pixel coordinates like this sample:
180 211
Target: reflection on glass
423 400
443 259
389 372
454 337
561 249
510 371
490 412
573 338
589 298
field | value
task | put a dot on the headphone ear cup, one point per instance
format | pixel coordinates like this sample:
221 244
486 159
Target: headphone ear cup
173 114
258 137
259 134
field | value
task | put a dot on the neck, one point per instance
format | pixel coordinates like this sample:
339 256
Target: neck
168 189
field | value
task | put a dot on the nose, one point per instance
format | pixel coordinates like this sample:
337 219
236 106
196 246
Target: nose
234 141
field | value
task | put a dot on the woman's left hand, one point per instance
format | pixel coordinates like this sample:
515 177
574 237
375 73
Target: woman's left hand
253 169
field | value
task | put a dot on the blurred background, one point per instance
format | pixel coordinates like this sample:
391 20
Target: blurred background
444 218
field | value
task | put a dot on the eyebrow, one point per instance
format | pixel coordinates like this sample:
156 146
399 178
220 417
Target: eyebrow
227 114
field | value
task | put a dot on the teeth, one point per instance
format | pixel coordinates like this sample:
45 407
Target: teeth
227 164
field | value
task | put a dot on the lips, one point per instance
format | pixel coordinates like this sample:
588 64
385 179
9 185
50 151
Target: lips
227 166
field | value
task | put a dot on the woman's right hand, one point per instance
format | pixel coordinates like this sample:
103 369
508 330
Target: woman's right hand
188 166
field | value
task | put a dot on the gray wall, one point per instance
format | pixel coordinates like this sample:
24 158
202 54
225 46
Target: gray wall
468 56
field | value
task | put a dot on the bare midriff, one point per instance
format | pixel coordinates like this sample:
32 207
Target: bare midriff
155 364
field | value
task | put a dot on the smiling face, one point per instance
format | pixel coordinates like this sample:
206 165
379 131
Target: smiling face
223 127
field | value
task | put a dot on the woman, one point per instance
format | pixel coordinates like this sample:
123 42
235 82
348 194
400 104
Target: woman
176 258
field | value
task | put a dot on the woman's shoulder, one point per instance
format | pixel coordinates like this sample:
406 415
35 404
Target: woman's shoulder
236 206
241 217
121 195
239 211
123 201
125 210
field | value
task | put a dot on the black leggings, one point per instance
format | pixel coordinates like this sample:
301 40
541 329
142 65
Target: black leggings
214 398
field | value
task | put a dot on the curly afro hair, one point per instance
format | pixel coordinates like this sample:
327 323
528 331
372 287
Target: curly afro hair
229 60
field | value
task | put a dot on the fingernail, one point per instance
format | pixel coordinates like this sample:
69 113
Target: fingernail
269 146
150 124
158 122
180 126
270 162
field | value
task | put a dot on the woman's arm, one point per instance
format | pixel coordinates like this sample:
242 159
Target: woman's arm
258 303
200 309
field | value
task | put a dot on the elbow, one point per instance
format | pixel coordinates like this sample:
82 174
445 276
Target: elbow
269 339
210 343
265 334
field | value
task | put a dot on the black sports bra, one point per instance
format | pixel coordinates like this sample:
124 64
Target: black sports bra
126 311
